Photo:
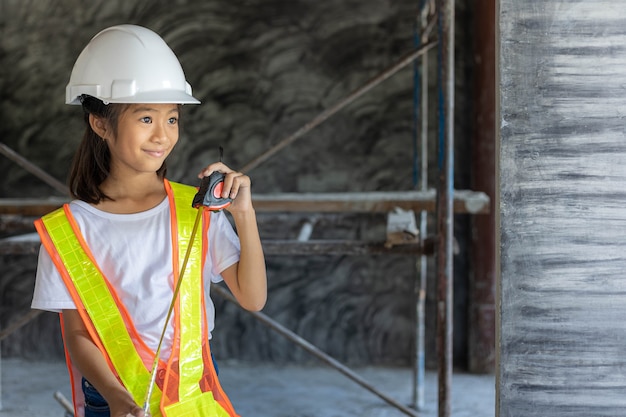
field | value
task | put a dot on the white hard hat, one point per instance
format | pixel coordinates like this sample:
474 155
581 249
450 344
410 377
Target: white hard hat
128 64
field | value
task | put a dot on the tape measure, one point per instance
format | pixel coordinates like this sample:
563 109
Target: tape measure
210 193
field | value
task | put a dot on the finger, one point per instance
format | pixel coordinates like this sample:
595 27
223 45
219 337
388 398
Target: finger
240 181
216 166
235 188
229 181
208 170
137 412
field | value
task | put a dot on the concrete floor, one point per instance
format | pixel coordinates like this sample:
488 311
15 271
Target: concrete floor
27 389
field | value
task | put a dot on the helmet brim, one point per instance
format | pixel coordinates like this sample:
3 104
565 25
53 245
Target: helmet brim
155 97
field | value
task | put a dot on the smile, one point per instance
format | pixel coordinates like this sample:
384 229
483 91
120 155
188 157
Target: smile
156 154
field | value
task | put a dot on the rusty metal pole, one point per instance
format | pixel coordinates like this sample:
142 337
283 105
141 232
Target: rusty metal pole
20 322
33 169
445 196
482 311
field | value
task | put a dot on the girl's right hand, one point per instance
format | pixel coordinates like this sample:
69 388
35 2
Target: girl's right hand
126 409
236 186
136 412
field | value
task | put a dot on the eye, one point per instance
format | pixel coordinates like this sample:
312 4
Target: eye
172 120
146 119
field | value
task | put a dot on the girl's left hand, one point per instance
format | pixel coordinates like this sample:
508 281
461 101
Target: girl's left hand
236 186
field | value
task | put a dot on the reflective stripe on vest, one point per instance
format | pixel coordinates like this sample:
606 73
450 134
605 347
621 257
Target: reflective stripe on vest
189 367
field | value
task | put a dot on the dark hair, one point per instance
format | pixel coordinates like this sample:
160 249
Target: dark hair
91 164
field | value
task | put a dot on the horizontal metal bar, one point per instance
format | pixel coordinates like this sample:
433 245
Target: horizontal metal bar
473 202
30 206
271 247
465 201
342 247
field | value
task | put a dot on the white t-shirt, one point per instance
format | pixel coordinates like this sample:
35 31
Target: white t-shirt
134 252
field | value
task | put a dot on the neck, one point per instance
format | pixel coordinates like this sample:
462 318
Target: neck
132 195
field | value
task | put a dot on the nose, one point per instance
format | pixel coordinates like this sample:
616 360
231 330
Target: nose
161 133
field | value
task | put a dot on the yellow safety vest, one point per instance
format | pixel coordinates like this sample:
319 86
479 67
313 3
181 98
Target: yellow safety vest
187 384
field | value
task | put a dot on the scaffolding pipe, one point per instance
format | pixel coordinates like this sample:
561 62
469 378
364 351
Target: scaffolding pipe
426 19
8 152
317 120
445 196
21 321
429 24
482 294
33 169
68 406
291 336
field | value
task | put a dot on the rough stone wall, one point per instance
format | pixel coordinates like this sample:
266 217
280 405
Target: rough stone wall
261 69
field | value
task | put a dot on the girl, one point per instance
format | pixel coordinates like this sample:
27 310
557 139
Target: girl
111 259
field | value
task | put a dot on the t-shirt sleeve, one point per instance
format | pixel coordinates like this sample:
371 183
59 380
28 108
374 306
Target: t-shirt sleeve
224 247
50 292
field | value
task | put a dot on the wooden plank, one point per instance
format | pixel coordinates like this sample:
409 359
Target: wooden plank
562 180
465 201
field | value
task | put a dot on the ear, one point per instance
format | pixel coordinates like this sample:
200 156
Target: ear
98 125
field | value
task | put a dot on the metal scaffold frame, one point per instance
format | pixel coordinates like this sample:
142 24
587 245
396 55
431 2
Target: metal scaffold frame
445 201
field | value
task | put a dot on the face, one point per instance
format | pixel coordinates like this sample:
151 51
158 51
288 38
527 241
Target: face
146 134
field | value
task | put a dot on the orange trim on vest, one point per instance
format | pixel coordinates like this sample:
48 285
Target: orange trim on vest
56 259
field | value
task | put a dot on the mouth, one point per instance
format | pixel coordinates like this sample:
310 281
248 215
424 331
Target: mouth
156 154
